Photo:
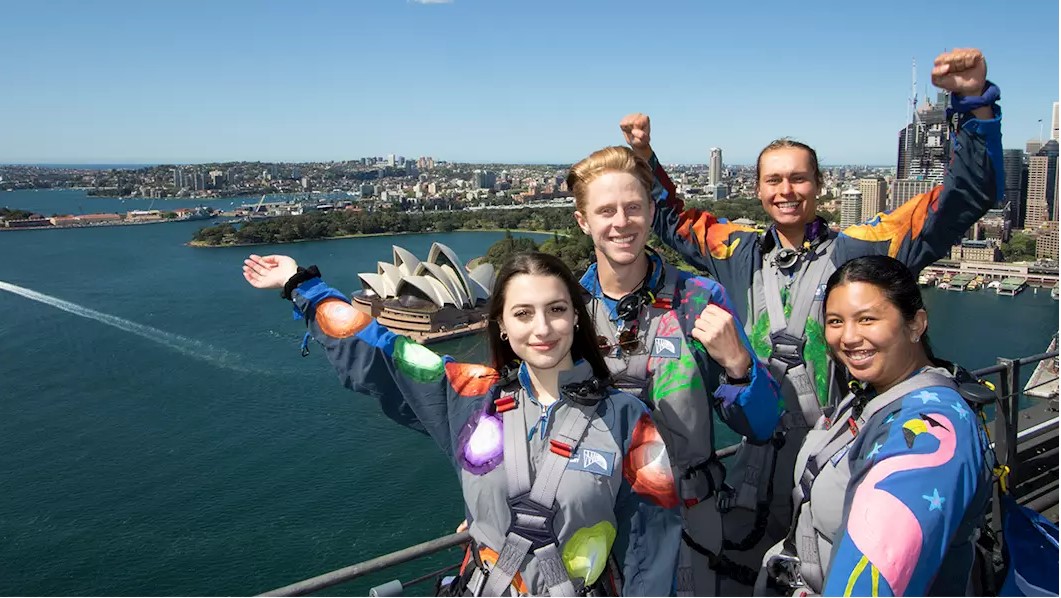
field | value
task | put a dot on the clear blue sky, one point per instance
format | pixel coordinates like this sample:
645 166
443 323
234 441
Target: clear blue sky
493 80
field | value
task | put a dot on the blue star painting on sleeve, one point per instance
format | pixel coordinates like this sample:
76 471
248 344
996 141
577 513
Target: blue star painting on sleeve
927 397
935 502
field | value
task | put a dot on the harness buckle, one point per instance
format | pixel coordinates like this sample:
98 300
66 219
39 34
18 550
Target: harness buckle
787 349
531 521
700 482
785 569
726 498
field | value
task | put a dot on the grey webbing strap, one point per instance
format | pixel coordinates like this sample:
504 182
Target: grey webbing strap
775 307
817 272
787 334
516 457
877 404
803 534
572 425
637 367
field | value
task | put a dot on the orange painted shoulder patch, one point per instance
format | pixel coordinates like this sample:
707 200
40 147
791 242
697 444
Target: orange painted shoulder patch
646 466
470 380
339 319
905 222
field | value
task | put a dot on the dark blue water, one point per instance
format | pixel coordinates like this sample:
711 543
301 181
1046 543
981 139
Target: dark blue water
173 442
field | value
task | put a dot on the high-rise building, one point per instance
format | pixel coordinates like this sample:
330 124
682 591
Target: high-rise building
1046 242
1033 146
1013 164
903 190
484 179
1053 126
874 192
1042 186
850 208
907 137
924 144
714 175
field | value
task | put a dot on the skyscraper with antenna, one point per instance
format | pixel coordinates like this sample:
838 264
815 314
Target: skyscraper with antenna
924 143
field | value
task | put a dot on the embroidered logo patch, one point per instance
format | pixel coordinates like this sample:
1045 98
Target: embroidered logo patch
592 461
665 346
819 293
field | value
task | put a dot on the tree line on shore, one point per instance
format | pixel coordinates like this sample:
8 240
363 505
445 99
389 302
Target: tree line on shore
323 225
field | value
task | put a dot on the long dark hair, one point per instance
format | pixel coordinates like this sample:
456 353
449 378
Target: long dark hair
893 279
543 264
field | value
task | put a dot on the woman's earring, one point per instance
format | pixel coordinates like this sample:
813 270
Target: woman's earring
917 339
504 335
576 324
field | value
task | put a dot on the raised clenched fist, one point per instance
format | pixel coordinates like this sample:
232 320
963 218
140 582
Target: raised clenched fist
962 71
716 329
637 129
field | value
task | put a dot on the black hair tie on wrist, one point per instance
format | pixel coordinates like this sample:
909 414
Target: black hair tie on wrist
300 276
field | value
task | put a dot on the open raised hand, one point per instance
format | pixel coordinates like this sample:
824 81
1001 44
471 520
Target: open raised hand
269 272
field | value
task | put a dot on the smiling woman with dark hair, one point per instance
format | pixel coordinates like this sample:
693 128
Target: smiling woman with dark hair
894 483
567 485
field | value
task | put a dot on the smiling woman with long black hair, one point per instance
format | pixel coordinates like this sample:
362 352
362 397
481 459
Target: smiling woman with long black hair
567 485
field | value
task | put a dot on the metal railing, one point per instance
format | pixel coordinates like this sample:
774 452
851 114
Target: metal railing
1006 439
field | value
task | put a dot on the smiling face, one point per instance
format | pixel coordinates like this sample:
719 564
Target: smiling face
617 214
787 186
869 336
539 319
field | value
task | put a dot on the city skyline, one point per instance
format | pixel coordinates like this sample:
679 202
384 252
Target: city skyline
477 82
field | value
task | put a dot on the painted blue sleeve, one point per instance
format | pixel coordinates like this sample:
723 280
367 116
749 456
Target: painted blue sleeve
752 410
648 522
916 471
647 541
410 381
923 229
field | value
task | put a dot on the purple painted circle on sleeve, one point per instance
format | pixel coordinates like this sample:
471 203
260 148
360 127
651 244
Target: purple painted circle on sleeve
480 444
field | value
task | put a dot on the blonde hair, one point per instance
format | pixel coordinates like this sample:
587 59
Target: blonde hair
616 158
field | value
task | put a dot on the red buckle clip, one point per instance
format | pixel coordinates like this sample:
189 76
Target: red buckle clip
691 502
662 303
560 448
505 404
851 425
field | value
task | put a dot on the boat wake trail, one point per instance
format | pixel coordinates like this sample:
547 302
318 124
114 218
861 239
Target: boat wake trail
181 344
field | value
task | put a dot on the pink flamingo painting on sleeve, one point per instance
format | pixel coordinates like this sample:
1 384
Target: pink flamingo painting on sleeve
878 517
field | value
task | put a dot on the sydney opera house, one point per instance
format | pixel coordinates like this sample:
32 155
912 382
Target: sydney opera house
428 300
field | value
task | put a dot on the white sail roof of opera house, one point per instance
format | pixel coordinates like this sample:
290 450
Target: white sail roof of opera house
440 278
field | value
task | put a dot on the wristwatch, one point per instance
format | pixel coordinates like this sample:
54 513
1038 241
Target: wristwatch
299 277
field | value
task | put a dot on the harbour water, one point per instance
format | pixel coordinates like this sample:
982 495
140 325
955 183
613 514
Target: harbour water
161 435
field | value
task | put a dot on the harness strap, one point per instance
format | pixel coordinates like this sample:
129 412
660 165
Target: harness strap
801 543
787 338
532 506
633 377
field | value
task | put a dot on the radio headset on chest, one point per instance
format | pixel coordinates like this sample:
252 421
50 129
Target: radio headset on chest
815 233
628 308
